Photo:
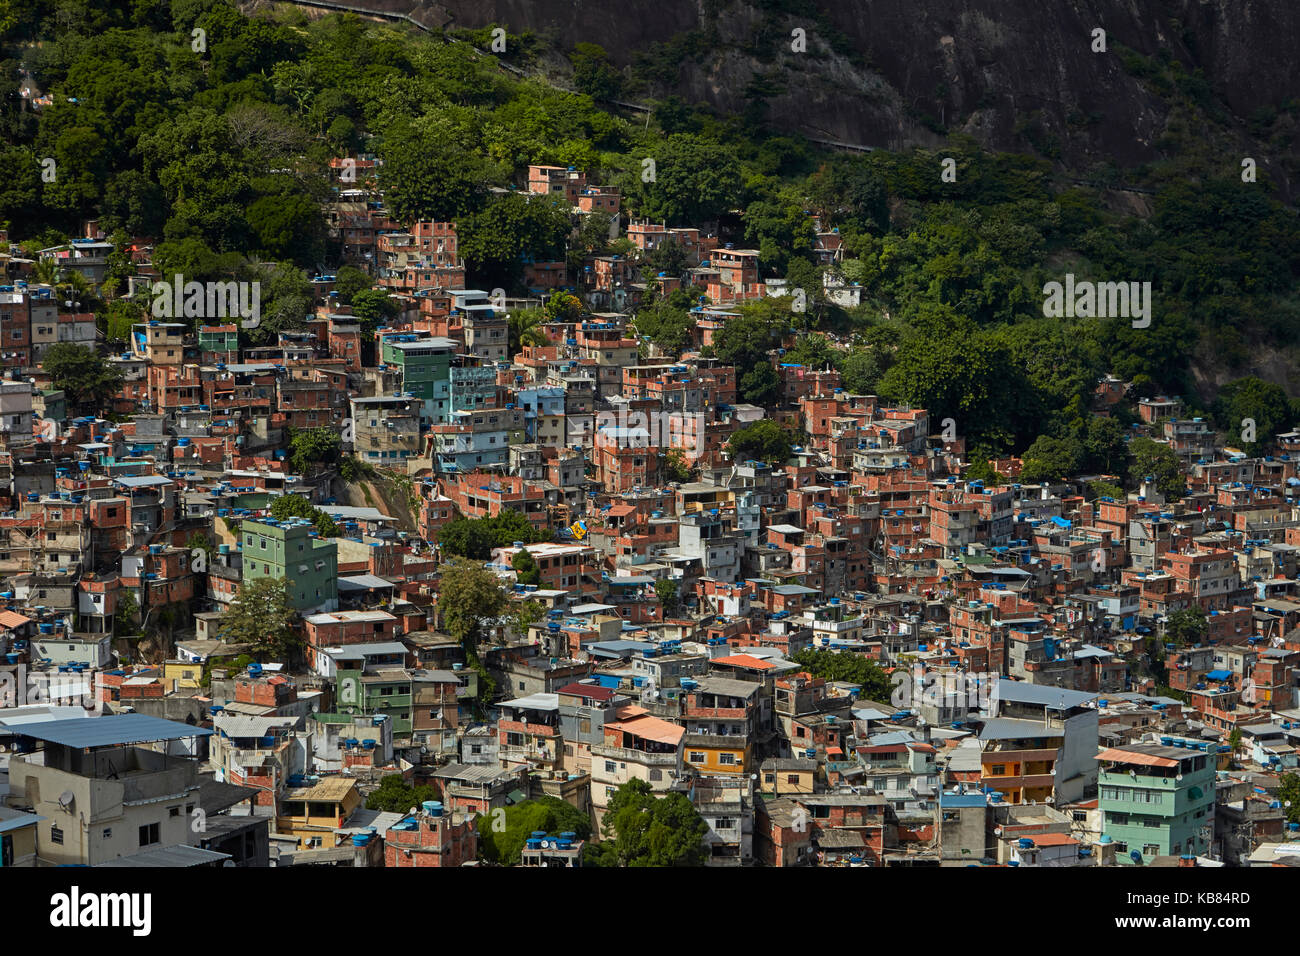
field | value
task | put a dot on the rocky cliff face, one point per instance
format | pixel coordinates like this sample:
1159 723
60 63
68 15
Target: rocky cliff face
1015 74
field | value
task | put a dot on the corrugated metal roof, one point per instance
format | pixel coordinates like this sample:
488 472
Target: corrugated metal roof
170 856
110 730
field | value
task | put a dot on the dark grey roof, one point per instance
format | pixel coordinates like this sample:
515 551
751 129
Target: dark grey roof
1058 698
169 856
216 796
110 730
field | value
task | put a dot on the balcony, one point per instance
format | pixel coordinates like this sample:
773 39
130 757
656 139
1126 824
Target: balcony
628 755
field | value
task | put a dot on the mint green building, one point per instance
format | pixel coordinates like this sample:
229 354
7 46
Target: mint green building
1157 799
387 691
290 550
425 364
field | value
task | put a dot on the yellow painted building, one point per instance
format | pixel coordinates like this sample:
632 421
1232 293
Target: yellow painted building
707 753
182 675
315 814
17 837
780 776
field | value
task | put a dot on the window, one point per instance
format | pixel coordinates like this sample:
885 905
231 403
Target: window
999 769
56 835
696 756
610 766
149 834
174 811
108 833
727 759
1150 849
792 779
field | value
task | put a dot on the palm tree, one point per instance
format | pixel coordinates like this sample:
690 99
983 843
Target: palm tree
74 287
526 329
45 271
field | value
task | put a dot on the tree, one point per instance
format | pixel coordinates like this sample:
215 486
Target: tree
1154 460
1106 489
563 307
968 378
764 440
495 240
746 340
979 469
469 595
550 814
528 572
296 506
851 668
668 258
526 614
760 385
593 73
667 591
373 308
1051 459
1262 402
128 609
199 540
860 371
348 281
676 467
118 318
261 616
641 830
1289 794
477 537
1104 446
325 525
288 227
291 505
84 376
395 795
1188 626
309 446
667 321
427 177
525 328
696 179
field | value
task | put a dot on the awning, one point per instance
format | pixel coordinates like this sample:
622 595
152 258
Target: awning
1129 756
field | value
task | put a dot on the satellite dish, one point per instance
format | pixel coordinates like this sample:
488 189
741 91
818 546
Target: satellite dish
66 798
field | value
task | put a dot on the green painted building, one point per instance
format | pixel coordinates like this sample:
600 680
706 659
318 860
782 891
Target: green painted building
220 341
1157 799
425 365
385 691
290 550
